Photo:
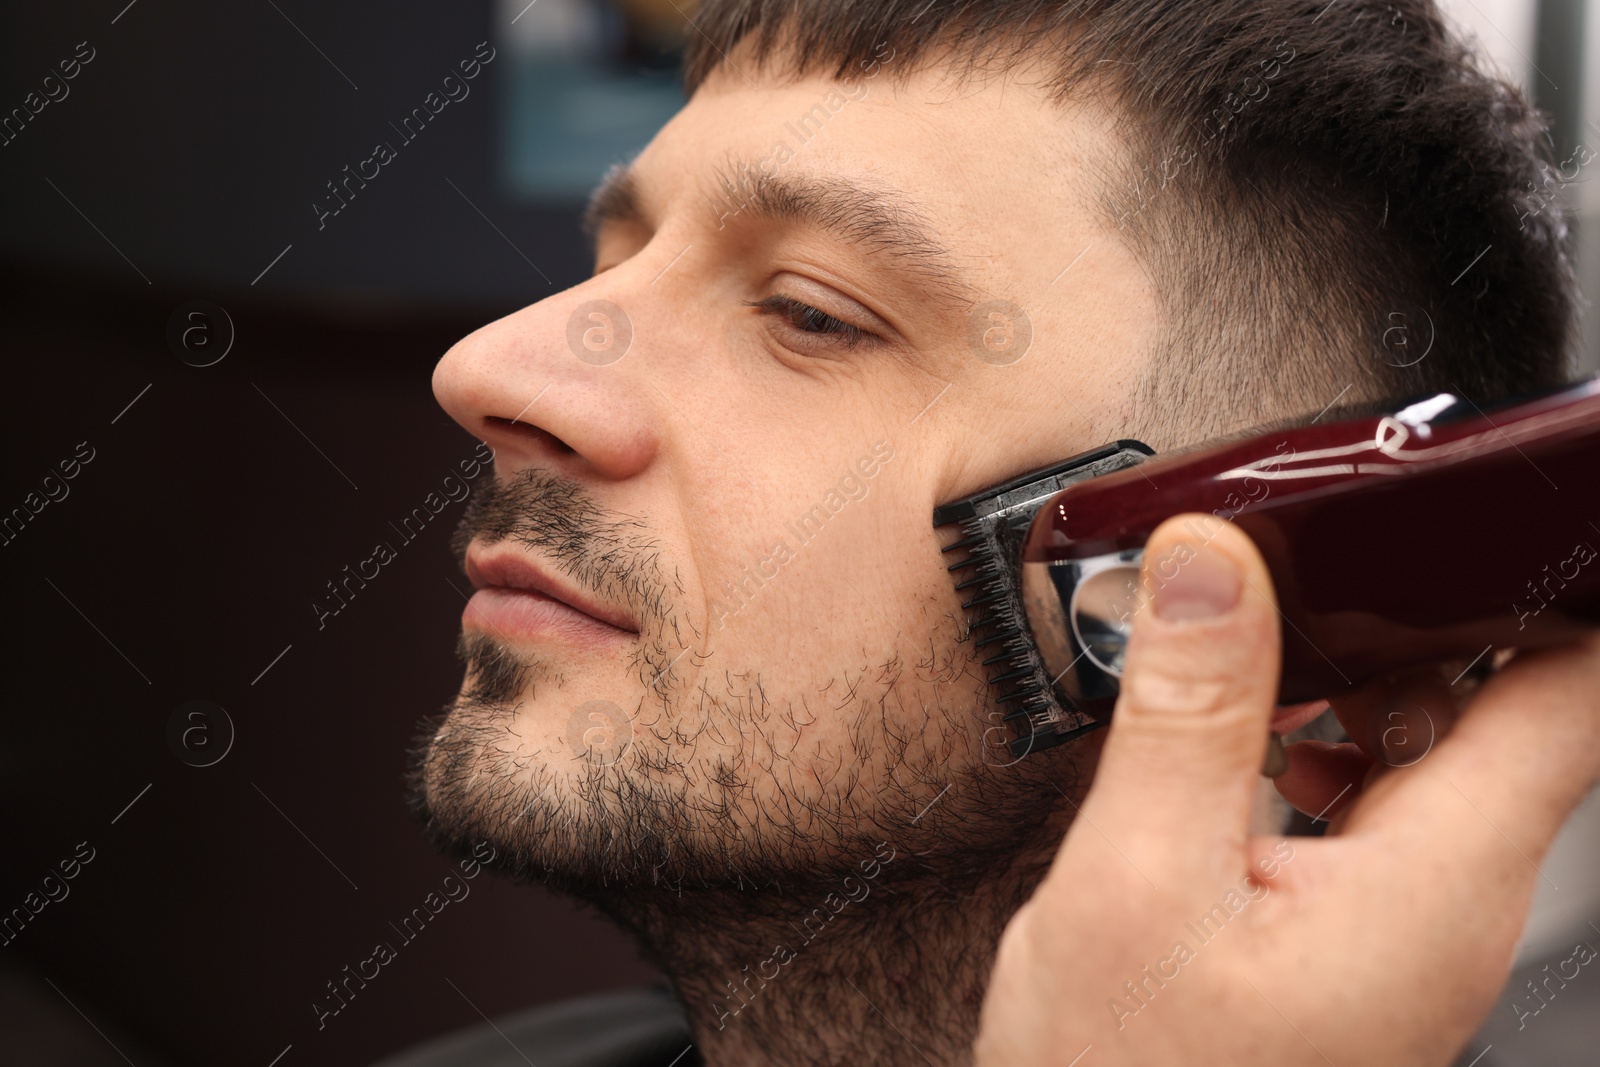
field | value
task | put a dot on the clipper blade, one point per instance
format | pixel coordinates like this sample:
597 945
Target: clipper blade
993 525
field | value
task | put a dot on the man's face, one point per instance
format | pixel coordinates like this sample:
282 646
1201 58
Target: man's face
802 334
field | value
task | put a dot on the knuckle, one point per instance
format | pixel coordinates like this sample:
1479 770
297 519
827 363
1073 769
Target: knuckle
1159 690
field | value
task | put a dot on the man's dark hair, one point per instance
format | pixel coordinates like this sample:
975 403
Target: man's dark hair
1319 191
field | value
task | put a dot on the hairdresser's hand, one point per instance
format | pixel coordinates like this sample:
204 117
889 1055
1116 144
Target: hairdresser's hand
1165 934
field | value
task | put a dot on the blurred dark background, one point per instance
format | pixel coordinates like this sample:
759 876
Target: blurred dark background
184 559
183 165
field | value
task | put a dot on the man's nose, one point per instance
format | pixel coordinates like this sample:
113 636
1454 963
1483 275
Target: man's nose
560 384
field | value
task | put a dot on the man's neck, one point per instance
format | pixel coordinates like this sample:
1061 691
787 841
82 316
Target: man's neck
888 969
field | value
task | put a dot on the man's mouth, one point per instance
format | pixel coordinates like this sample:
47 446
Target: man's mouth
519 597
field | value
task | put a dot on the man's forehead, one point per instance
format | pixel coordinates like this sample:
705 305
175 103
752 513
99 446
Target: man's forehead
979 192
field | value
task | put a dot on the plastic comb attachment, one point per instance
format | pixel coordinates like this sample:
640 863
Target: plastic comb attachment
987 572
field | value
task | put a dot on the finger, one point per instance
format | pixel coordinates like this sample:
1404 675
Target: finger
1181 759
1524 752
1290 717
1397 720
1323 778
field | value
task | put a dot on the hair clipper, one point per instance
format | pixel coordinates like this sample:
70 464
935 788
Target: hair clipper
1434 532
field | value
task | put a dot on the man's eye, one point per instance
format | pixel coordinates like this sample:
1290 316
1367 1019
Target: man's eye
808 319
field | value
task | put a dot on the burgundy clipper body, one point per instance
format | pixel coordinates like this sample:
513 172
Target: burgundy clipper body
1437 532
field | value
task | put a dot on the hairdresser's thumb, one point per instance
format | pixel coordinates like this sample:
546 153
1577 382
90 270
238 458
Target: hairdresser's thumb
1179 767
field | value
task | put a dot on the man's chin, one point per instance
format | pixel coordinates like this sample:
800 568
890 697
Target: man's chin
649 833
577 792
552 791
580 826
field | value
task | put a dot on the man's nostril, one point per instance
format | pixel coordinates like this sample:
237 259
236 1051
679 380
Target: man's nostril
531 432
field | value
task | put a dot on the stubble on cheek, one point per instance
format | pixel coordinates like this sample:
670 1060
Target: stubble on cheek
738 772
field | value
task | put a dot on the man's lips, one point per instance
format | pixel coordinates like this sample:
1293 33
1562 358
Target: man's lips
516 594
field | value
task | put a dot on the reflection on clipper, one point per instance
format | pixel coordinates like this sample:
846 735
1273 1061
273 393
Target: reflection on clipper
1103 607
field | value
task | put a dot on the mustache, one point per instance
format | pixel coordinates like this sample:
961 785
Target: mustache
614 556
610 554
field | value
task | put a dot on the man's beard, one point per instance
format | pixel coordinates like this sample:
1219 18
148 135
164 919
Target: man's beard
709 801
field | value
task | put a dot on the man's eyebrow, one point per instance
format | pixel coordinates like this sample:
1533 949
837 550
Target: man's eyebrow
615 199
878 218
